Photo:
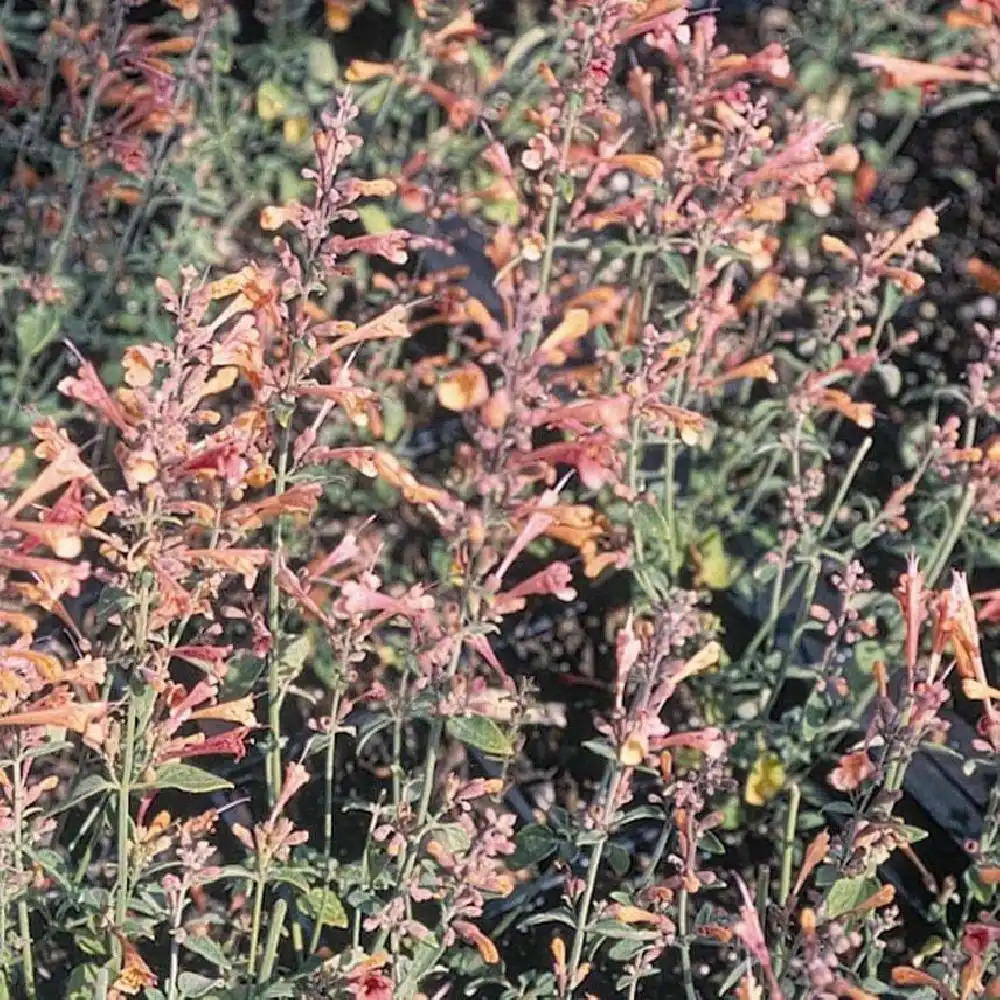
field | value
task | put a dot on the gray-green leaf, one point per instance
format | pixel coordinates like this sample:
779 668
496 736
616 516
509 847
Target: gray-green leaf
482 733
188 779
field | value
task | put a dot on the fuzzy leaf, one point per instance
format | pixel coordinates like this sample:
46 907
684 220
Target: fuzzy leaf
847 893
188 779
482 733
204 947
374 218
323 905
535 843
93 784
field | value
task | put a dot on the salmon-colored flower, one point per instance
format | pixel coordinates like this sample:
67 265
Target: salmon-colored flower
76 717
299 500
899 72
852 769
862 414
463 389
816 852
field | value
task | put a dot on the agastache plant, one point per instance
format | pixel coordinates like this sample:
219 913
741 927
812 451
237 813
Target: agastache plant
265 725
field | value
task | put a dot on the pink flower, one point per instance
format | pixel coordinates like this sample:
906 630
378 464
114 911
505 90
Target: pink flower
372 986
749 931
554 579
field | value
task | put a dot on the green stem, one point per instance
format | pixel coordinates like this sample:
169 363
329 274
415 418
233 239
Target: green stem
583 912
788 848
684 944
175 946
785 886
939 560
327 818
277 922
128 755
273 767
23 922
23 368
838 500
80 178
255 925
124 794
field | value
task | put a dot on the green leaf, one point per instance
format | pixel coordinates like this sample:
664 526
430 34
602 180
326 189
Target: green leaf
619 859
93 784
892 378
192 984
206 948
560 915
847 893
293 658
321 61
242 672
393 417
503 211
374 218
83 982
188 779
272 100
709 842
713 563
453 837
323 905
622 932
602 748
299 877
868 652
534 843
482 733
677 268
35 329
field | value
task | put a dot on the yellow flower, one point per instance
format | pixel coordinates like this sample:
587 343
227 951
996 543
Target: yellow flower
295 129
271 101
765 780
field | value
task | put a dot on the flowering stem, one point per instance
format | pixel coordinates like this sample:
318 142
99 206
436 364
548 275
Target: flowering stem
24 926
670 487
430 766
273 768
545 273
128 765
80 178
144 205
898 754
810 570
